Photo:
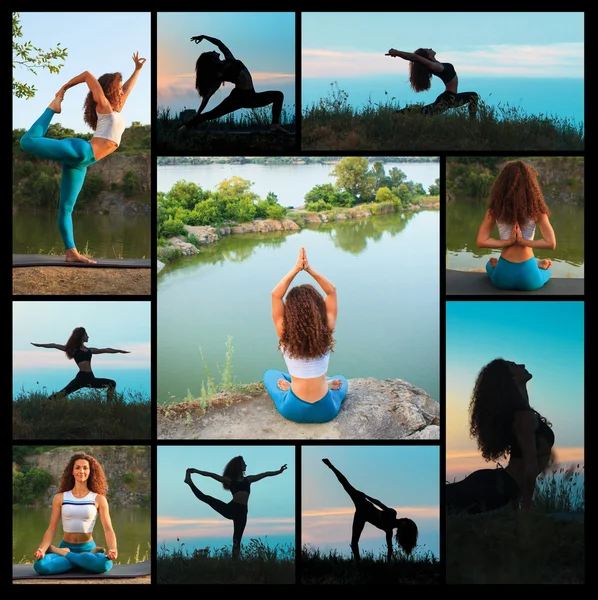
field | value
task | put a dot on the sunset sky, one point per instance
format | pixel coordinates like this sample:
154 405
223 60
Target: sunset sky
264 41
548 338
405 478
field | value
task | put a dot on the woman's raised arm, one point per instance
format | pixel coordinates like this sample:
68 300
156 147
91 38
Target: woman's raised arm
280 290
227 53
129 83
253 478
329 289
412 57
94 87
57 346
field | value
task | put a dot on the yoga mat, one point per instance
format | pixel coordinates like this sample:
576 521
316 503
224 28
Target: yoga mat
141 569
46 260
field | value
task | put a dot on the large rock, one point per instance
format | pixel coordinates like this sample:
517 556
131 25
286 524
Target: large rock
373 410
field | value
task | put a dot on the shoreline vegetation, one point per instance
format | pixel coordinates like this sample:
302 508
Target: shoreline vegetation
189 216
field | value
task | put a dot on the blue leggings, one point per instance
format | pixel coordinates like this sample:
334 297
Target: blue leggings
79 556
75 154
525 276
293 408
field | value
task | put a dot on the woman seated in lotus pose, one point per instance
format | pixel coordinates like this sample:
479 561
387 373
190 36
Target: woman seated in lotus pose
505 426
516 207
422 66
305 323
211 72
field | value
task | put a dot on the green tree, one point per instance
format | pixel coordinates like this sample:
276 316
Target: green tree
32 58
385 195
352 176
434 189
186 194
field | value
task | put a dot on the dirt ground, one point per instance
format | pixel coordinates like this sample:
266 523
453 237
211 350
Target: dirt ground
81 281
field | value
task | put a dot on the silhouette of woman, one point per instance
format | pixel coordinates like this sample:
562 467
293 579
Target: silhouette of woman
505 426
305 325
211 72
370 510
234 480
102 112
76 349
422 65
516 206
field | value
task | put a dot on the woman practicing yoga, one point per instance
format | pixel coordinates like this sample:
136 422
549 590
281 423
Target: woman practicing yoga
81 497
516 206
505 426
234 480
75 349
211 72
422 65
305 323
370 510
102 112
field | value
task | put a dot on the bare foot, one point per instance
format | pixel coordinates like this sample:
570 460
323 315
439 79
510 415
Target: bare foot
493 262
56 104
544 264
326 462
284 385
72 255
57 550
188 476
98 549
279 129
335 384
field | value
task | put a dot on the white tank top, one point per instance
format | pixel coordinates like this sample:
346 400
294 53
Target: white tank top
527 230
305 368
79 514
110 126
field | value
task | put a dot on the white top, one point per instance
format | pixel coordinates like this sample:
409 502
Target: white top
79 514
110 126
305 368
527 230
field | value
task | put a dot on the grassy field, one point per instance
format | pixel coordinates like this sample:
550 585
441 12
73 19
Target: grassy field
333 124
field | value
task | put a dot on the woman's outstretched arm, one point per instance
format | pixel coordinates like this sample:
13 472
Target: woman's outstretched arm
130 83
108 351
227 53
208 474
485 239
94 87
57 346
329 289
548 241
412 57
253 478
280 290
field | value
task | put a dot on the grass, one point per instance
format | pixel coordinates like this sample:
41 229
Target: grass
544 546
334 568
84 415
332 124
258 563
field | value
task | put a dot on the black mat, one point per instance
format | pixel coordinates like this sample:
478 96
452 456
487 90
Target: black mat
47 260
465 283
141 569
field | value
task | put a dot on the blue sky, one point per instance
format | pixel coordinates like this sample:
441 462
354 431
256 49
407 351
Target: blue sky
99 42
264 41
491 44
405 478
181 514
547 337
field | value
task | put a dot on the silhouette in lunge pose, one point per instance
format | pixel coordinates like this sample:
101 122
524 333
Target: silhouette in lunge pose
370 510
505 426
422 65
234 480
211 72
76 349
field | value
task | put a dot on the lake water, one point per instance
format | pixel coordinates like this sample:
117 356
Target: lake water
463 219
385 268
131 525
107 236
289 182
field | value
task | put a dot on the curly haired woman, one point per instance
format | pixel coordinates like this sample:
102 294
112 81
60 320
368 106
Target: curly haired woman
305 323
505 426
516 207
422 65
81 497
101 111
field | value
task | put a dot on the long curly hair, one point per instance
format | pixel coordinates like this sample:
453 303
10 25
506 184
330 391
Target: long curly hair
112 85
233 469
516 194
74 342
96 481
208 73
406 534
305 331
420 77
492 409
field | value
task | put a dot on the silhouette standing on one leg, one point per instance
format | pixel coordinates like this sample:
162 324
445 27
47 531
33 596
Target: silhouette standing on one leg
211 72
370 510
234 480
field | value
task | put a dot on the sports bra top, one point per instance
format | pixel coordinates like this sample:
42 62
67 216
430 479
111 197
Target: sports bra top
543 431
240 486
110 126
447 74
527 230
232 70
78 514
307 368
82 355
